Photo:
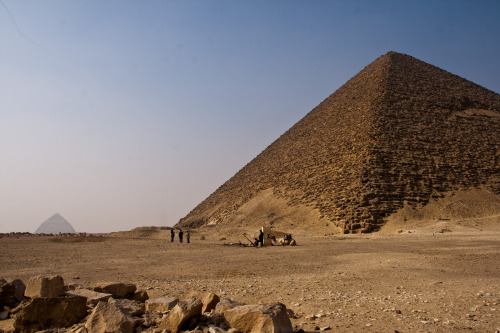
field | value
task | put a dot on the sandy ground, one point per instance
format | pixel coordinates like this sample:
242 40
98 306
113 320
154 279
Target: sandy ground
411 281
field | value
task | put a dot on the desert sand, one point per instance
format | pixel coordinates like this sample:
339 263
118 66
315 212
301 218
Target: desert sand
439 276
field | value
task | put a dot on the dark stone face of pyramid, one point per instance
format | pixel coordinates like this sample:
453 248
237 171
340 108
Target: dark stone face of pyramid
54 225
399 132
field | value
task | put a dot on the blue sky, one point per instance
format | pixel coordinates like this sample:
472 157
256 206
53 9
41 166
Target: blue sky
119 114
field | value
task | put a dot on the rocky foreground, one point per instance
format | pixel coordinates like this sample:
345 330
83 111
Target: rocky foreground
46 304
417 281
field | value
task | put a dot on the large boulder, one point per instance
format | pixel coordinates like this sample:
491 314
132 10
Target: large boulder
42 313
209 301
93 297
262 318
110 318
180 314
161 304
118 290
41 286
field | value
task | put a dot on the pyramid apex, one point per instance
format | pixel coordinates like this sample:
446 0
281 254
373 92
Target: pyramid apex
55 224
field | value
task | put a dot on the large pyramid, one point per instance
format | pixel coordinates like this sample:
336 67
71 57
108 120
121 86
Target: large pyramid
400 132
54 225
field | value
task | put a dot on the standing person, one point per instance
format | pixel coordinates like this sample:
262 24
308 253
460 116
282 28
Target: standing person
187 236
180 235
261 238
172 235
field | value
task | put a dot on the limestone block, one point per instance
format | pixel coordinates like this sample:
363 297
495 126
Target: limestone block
109 317
161 304
118 290
129 306
209 301
49 312
93 297
41 286
180 314
262 318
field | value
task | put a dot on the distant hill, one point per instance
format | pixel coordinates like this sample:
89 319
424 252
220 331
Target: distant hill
399 133
54 225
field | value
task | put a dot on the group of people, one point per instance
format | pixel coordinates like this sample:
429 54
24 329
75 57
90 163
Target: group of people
181 235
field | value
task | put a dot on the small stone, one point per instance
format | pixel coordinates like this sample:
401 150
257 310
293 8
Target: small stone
4 315
226 304
118 290
20 289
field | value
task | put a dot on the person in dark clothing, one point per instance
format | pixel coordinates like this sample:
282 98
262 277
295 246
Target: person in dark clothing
172 235
188 237
261 238
181 234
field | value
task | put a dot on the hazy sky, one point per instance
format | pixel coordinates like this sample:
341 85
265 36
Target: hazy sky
118 114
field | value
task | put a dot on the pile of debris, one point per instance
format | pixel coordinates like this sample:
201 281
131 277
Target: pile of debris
46 304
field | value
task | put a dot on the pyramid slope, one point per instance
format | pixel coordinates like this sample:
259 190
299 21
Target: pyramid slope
54 225
399 132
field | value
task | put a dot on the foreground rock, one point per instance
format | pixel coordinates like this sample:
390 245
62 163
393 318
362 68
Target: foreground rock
140 296
202 313
7 294
161 304
93 297
109 317
41 286
20 289
264 318
226 304
131 307
54 312
118 290
180 314
210 301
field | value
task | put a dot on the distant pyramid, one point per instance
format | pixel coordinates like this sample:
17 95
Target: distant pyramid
54 225
399 132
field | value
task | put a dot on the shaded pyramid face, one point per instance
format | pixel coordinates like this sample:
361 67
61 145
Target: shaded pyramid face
399 132
54 225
